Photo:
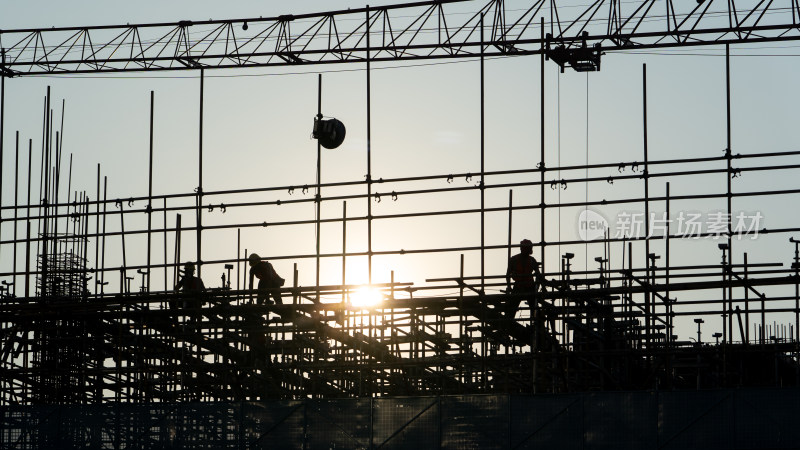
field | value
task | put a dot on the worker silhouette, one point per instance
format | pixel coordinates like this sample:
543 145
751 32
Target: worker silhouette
268 280
524 270
192 288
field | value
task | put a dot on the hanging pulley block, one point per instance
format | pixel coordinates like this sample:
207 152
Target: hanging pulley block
329 132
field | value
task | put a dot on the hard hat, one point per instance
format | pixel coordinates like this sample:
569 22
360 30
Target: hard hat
525 243
188 266
254 259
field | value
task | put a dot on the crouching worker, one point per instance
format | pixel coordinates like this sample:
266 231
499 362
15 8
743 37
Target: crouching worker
268 280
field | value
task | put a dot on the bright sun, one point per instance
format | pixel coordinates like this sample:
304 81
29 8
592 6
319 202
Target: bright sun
365 297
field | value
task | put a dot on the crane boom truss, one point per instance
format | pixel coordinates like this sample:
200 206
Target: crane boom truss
420 30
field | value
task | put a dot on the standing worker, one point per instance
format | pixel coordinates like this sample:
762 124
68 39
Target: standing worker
524 270
268 280
189 282
193 288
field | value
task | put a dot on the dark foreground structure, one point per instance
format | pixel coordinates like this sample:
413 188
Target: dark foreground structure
595 360
718 419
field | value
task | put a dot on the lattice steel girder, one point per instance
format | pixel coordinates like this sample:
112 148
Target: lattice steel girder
421 30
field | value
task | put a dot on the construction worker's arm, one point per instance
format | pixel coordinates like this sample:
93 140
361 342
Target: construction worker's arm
250 284
508 277
540 279
178 285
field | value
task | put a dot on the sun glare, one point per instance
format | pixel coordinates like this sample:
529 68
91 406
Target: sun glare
365 297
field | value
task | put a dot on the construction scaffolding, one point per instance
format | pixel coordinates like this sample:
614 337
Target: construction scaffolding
605 329
87 335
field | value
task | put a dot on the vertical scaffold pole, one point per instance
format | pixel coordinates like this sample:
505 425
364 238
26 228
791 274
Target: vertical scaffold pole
166 261
510 220
177 255
483 146
2 127
318 198
666 273
238 261
97 235
16 212
200 183
46 169
646 177
150 192
344 249
369 157
28 221
729 197
28 260
747 300
124 267
103 250
541 145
